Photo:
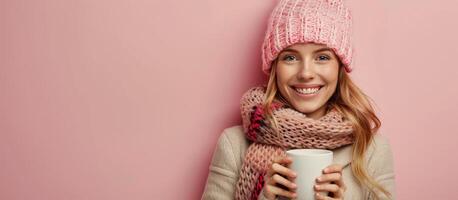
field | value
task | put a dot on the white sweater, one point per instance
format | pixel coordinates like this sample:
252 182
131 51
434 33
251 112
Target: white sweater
230 151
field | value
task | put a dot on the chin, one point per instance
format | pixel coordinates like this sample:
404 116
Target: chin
306 109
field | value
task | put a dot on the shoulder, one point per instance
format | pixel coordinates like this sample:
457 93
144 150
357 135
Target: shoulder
235 134
380 139
379 153
380 144
234 138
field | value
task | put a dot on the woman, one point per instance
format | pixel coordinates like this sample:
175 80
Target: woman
309 102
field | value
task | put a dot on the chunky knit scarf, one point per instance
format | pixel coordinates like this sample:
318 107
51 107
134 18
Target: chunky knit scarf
295 130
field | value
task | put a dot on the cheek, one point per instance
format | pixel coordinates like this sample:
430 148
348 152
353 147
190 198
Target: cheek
282 77
332 81
331 77
282 82
331 74
284 73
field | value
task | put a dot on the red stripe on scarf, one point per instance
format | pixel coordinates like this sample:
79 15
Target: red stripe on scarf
257 117
258 187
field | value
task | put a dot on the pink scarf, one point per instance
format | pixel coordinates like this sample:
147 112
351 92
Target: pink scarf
296 130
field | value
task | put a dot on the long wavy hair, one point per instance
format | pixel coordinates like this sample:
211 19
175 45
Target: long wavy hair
355 106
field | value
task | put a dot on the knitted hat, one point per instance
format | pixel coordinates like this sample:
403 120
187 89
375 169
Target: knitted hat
326 22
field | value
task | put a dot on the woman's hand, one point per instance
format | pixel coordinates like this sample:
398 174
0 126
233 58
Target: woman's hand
279 179
331 181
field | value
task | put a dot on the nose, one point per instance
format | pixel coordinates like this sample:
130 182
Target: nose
306 71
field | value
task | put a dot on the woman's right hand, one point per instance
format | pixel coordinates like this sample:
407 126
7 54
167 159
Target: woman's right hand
279 179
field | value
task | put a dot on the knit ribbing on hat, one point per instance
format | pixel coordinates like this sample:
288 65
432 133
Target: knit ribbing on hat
326 22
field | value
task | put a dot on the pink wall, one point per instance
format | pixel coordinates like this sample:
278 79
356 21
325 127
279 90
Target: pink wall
115 99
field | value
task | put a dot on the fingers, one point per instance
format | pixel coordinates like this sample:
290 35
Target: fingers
336 191
321 197
278 166
335 174
280 169
277 191
327 188
333 177
283 160
279 172
329 177
278 175
333 168
281 180
275 183
331 181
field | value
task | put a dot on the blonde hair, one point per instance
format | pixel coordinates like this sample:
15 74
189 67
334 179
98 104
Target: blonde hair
355 106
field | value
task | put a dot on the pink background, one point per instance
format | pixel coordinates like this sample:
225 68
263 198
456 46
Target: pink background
115 99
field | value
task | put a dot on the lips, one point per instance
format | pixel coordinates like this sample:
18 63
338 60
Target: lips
307 91
307 87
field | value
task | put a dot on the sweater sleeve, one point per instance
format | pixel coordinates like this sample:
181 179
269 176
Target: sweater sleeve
222 176
382 167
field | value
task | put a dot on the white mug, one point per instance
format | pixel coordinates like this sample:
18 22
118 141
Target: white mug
308 165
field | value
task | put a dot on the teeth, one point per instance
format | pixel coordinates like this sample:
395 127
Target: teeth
307 90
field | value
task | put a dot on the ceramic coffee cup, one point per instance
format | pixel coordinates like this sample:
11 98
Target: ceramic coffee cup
309 165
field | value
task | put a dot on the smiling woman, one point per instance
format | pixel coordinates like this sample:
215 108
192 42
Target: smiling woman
310 102
307 77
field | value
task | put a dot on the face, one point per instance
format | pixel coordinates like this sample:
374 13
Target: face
307 75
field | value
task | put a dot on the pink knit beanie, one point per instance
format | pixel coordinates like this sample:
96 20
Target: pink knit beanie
299 21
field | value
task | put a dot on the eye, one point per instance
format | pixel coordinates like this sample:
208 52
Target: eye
288 57
323 57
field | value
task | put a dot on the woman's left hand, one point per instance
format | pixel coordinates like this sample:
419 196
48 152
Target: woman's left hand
331 181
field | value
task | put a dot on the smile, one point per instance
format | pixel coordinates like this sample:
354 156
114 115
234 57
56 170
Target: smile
307 92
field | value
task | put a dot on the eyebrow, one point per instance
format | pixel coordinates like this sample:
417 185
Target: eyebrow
316 51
